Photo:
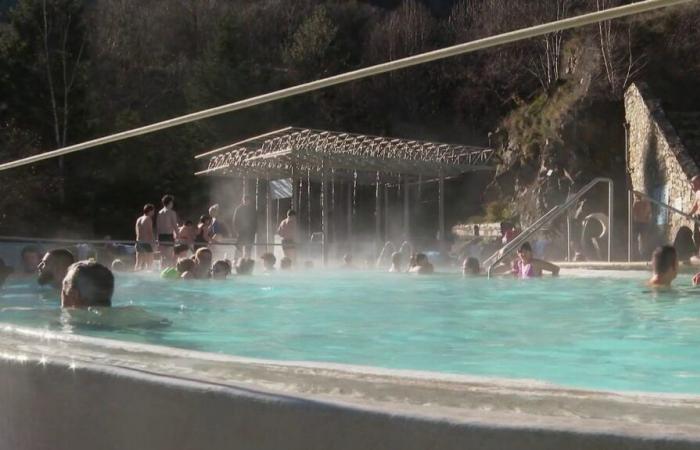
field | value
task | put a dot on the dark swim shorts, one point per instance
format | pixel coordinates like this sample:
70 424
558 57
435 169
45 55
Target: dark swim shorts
166 239
143 247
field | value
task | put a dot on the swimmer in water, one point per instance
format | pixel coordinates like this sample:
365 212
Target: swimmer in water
245 266
53 267
471 267
286 263
347 262
664 266
269 261
202 258
220 270
526 266
186 268
421 265
395 263
87 284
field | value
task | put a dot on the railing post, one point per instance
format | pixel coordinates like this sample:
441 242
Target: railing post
630 226
611 211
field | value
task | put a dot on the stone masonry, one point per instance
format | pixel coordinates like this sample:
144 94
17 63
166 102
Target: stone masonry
658 162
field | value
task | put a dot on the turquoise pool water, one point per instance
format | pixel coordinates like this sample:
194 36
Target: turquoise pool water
603 332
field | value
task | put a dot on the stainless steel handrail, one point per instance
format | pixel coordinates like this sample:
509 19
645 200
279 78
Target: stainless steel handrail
551 215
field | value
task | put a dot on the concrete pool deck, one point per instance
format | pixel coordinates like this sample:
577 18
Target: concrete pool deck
63 391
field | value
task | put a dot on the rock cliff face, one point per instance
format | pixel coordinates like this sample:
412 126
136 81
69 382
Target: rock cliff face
559 141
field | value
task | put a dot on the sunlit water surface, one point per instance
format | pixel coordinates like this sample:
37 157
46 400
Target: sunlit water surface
602 331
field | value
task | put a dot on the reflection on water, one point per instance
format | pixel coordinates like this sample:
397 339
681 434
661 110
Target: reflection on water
599 332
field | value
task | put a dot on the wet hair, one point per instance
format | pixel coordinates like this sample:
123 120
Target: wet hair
179 248
213 208
269 257
471 266
167 199
664 259
222 265
291 213
347 258
188 223
62 256
286 263
396 258
245 267
94 282
148 207
30 249
421 257
204 217
526 247
184 265
202 251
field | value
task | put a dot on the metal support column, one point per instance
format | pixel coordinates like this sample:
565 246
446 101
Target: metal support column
349 217
269 235
387 237
377 216
568 236
441 213
611 211
406 211
630 226
324 215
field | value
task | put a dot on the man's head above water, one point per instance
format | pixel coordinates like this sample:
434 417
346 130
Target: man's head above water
53 267
664 264
86 284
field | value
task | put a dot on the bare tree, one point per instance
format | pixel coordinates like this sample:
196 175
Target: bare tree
620 65
546 64
58 49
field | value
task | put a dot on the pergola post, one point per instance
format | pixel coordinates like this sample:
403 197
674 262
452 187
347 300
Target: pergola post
349 217
387 237
406 211
324 215
257 209
377 216
269 236
441 212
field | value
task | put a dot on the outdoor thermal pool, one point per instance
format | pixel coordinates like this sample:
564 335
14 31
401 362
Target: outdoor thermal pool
597 330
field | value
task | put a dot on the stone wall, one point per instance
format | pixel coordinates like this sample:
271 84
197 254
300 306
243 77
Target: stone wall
659 164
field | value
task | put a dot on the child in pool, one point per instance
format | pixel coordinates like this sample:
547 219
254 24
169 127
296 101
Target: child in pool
526 266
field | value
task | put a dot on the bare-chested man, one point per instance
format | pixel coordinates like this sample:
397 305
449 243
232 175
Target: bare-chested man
167 229
145 239
641 217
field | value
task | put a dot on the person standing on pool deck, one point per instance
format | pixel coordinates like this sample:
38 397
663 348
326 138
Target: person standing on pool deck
664 266
166 223
526 266
288 232
641 217
144 238
245 225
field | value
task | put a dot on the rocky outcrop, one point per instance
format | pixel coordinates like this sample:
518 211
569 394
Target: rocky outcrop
660 159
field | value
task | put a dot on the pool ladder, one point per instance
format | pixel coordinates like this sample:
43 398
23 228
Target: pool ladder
548 218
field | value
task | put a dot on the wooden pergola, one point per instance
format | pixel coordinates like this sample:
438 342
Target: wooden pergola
325 157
